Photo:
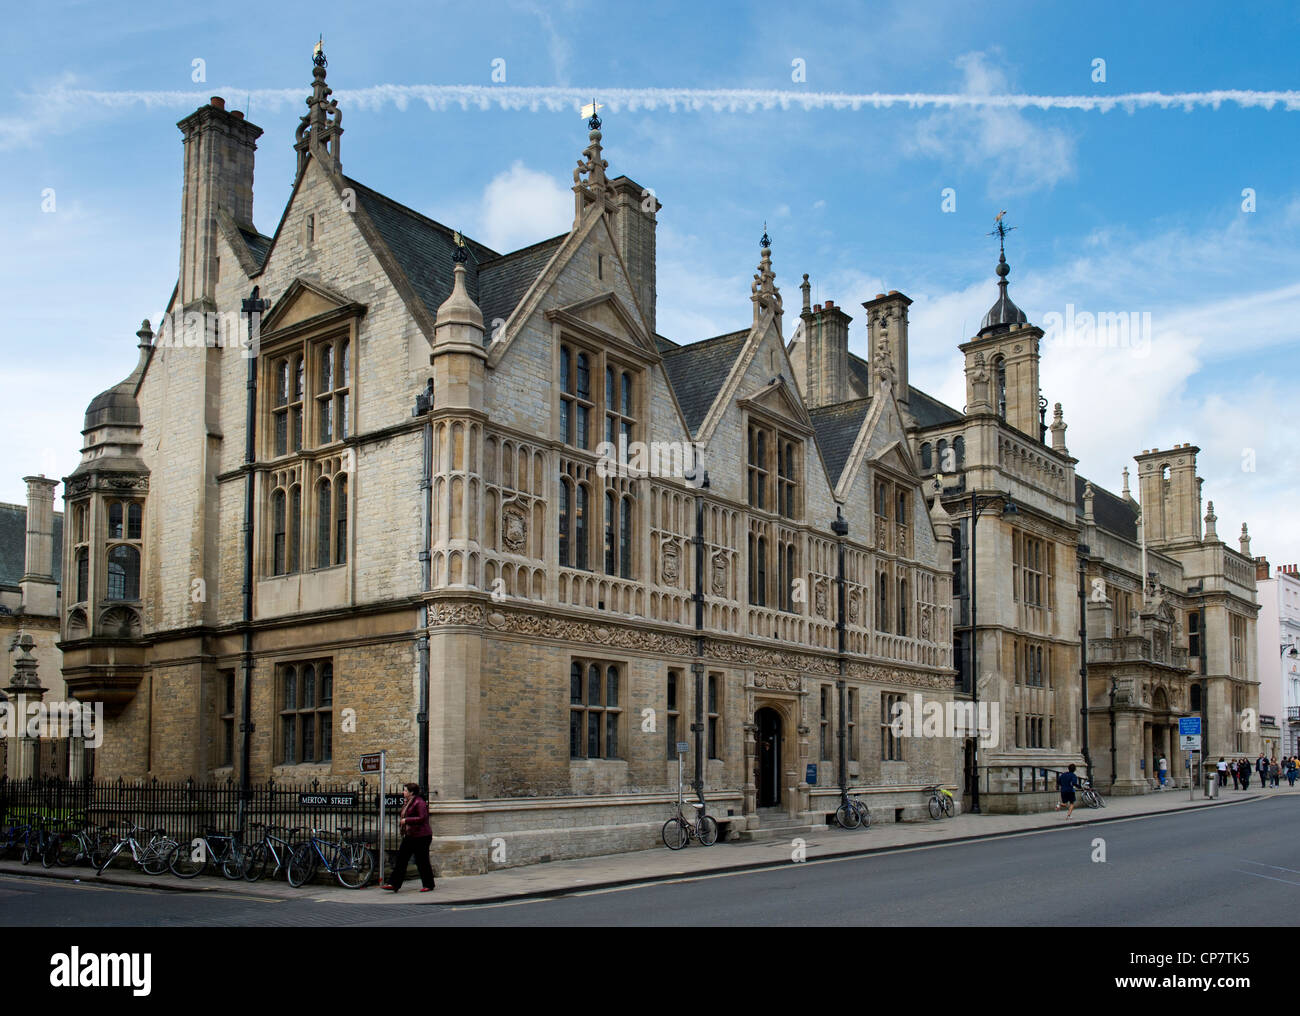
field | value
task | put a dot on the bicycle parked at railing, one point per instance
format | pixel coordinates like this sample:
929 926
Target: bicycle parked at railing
852 813
37 839
221 851
348 860
269 850
940 802
1089 796
152 857
678 830
86 845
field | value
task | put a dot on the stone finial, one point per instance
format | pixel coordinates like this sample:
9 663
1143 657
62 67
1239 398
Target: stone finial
321 130
979 378
1058 429
939 516
1127 495
590 182
145 334
1210 518
806 289
763 292
1089 497
458 309
24 676
1244 540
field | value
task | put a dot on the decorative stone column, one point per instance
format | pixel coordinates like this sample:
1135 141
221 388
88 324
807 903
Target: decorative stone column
1147 752
751 753
24 750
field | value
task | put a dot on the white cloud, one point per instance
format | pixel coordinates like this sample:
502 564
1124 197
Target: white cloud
1016 152
522 206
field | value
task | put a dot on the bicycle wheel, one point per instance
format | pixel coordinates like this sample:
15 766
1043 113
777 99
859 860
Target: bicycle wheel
846 816
50 853
157 856
302 865
107 859
256 866
936 809
189 859
946 801
707 830
69 851
99 848
234 863
357 864
675 834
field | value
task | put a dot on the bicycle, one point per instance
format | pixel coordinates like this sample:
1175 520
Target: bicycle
268 848
217 849
37 840
348 860
852 813
81 846
152 857
1090 797
940 802
678 830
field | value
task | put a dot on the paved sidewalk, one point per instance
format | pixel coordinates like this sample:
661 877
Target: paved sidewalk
660 864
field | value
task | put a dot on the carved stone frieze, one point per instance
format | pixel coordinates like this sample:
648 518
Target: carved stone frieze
777 682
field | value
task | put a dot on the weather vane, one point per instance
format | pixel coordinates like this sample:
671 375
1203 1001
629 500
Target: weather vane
318 54
765 241
592 112
1001 231
460 255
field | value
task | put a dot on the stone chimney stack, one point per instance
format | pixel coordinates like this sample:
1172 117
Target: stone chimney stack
39 591
887 326
219 149
634 225
1171 494
826 331
1261 569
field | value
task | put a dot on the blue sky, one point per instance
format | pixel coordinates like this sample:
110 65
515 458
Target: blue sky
1133 210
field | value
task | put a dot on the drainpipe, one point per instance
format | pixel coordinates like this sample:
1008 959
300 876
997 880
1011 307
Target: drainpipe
423 405
841 528
254 307
697 668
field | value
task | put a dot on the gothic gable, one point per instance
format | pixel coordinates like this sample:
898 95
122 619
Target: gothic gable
305 300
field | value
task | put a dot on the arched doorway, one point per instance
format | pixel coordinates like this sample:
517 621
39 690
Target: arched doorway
768 757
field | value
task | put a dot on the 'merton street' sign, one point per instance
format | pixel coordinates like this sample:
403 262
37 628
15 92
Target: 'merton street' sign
347 800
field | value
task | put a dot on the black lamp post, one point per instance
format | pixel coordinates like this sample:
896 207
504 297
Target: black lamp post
979 504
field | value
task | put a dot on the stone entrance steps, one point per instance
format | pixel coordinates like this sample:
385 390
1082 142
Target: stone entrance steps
774 825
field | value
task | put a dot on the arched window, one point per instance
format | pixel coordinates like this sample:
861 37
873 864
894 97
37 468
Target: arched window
341 519
626 403
902 606
611 400
83 575
580 521
959 451
882 602
134 515
625 535
1000 373
123 573
277 533
762 571
324 501
611 533
294 523
566 387
789 576
115 520
565 492
945 464
584 394
926 453
324 388
882 500
282 404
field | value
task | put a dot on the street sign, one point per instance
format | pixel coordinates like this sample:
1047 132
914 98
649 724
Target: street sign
348 800
1189 742
1189 725
683 747
372 763
811 775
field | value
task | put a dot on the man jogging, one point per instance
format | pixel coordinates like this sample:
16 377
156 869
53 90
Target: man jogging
1067 782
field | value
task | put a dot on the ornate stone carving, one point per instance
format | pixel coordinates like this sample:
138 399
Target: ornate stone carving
924 624
820 599
119 623
514 528
882 534
853 609
719 580
777 682
454 613
580 631
670 562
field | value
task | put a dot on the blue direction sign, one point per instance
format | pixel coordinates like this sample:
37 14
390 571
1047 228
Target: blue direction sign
1189 726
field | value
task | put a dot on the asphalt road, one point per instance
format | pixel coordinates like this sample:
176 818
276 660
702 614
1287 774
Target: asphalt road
1230 866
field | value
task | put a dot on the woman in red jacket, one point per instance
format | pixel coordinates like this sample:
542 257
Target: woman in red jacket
416 838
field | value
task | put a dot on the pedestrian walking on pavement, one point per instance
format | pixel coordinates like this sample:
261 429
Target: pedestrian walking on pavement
1290 771
1223 772
1234 767
1162 767
1274 771
1067 782
416 838
1245 775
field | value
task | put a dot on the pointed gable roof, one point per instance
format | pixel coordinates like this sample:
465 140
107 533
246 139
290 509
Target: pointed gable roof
837 427
698 371
1113 513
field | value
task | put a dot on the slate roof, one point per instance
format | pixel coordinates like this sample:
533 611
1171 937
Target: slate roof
13 543
698 370
1113 513
423 248
502 283
927 411
257 244
837 428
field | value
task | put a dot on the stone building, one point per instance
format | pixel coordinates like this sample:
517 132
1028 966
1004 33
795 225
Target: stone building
476 484
31 538
375 485
1279 655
